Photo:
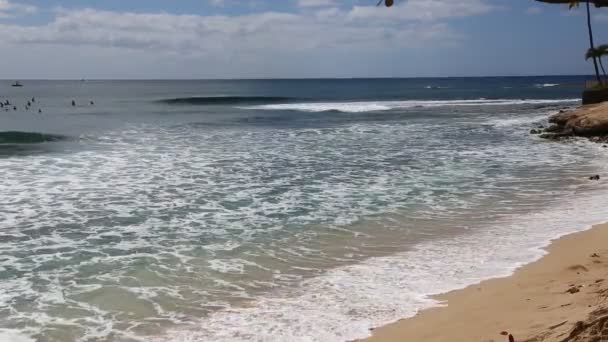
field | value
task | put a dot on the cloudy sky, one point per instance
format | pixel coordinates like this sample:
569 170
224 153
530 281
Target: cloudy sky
73 39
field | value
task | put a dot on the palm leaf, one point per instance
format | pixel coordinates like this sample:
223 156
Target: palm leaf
591 53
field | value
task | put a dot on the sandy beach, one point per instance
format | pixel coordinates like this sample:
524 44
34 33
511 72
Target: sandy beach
561 297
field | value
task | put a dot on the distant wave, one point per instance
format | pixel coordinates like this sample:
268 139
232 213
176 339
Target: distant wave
225 100
371 106
546 85
17 137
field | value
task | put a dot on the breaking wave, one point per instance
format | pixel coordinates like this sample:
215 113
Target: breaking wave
224 100
546 85
356 107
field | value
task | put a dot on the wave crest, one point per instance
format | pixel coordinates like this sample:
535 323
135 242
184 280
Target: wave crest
372 106
224 100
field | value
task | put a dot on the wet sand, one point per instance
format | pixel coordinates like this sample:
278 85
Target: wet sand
561 297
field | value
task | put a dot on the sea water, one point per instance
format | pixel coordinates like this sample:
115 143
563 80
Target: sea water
274 210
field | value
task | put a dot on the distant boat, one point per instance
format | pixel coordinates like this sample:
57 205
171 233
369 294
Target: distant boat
17 84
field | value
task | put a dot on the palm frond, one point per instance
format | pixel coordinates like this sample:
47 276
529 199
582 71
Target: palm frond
591 53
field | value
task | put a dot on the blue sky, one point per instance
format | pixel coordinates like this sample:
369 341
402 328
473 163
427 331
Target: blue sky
70 39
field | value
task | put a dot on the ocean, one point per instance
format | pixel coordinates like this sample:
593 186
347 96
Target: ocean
274 210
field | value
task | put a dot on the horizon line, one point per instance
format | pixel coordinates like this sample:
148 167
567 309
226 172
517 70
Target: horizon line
287 78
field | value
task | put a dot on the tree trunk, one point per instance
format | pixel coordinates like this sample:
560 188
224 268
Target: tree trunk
597 71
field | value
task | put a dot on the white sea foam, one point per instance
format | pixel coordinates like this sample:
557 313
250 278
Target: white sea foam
372 106
344 303
183 222
516 121
13 336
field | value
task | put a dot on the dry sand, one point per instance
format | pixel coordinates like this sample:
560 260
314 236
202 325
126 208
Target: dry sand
562 297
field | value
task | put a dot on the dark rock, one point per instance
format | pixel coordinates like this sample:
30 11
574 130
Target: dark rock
533 131
553 129
549 136
579 327
556 136
595 178
573 290
546 136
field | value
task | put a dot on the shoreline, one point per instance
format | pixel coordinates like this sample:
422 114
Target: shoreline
541 301
481 312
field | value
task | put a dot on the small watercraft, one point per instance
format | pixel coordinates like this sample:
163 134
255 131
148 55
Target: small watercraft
17 84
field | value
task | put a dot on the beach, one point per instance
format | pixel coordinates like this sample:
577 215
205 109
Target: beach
542 301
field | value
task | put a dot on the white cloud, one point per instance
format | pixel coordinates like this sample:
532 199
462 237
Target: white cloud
12 9
317 3
601 17
163 32
424 10
534 10
257 44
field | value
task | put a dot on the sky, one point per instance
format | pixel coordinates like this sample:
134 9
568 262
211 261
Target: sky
195 39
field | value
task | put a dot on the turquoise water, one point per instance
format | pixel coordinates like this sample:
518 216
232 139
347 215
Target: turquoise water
273 210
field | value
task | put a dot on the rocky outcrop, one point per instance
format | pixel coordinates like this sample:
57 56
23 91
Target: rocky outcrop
586 121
